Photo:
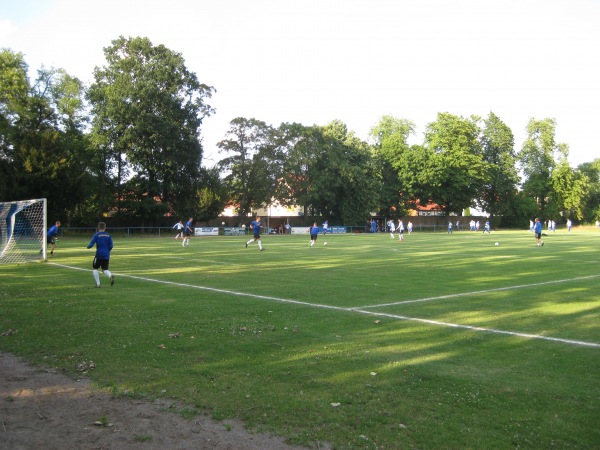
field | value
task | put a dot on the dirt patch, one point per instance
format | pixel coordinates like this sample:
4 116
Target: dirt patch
43 409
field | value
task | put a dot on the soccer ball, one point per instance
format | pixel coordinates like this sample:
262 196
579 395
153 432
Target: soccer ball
222 223
325 243
497 243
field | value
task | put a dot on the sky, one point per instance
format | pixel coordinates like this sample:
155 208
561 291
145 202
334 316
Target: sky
314 61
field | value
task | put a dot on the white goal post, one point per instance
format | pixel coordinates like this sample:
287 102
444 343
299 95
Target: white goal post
23 231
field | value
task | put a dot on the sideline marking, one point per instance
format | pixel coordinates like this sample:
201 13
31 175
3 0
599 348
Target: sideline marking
485 291
361 310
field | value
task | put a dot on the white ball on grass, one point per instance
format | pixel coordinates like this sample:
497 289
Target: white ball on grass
497 243
325 243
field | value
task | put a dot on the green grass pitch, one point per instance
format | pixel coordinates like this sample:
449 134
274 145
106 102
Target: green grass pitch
436 341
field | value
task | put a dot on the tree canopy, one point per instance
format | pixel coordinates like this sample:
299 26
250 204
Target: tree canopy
147 112
129 146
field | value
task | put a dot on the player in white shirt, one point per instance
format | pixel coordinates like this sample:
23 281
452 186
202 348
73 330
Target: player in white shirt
179 227
400 230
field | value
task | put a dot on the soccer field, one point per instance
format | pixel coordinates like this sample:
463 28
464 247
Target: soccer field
436 341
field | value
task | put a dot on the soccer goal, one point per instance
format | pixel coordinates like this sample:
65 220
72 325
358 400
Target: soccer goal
23 231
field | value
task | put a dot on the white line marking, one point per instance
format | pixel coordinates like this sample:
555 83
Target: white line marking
358 310
220 291
488 330
485 291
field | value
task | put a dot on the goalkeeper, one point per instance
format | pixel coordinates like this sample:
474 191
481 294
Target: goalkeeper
51 236
104 244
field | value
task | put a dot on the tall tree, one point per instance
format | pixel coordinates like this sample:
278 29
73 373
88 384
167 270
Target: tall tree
537 160
213 196
570 191
65 95
299 145
448 169
328 171
591 170
500 185
253 166
391 136
14 99
344 177
391 148
45 153
148 109
418 173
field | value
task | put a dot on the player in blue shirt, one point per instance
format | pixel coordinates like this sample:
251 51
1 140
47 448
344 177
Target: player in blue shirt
537 228
187 232
104 244
314 233
255 226
51 236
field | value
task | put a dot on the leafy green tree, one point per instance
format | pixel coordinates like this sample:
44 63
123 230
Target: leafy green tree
328 171
537 160
212 194
591 170
391 136
523 208
449 168
300 147
253 167
344 177
418 174
73 181
500 184
14 85
391 200
45 152
570 190
147 112
14 97
391 149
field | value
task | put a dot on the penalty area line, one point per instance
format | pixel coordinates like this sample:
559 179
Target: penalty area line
481 329
484 291
357 310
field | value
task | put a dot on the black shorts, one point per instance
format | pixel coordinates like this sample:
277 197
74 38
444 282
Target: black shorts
186 232
51 240
538 235
313 237
256 235
100 263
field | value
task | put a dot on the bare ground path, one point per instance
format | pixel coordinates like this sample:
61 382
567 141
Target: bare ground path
44 409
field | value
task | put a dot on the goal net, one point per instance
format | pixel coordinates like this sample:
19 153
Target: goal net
22 231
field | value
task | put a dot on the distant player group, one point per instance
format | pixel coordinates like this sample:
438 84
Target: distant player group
104 243
392 228
185 231
473 226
